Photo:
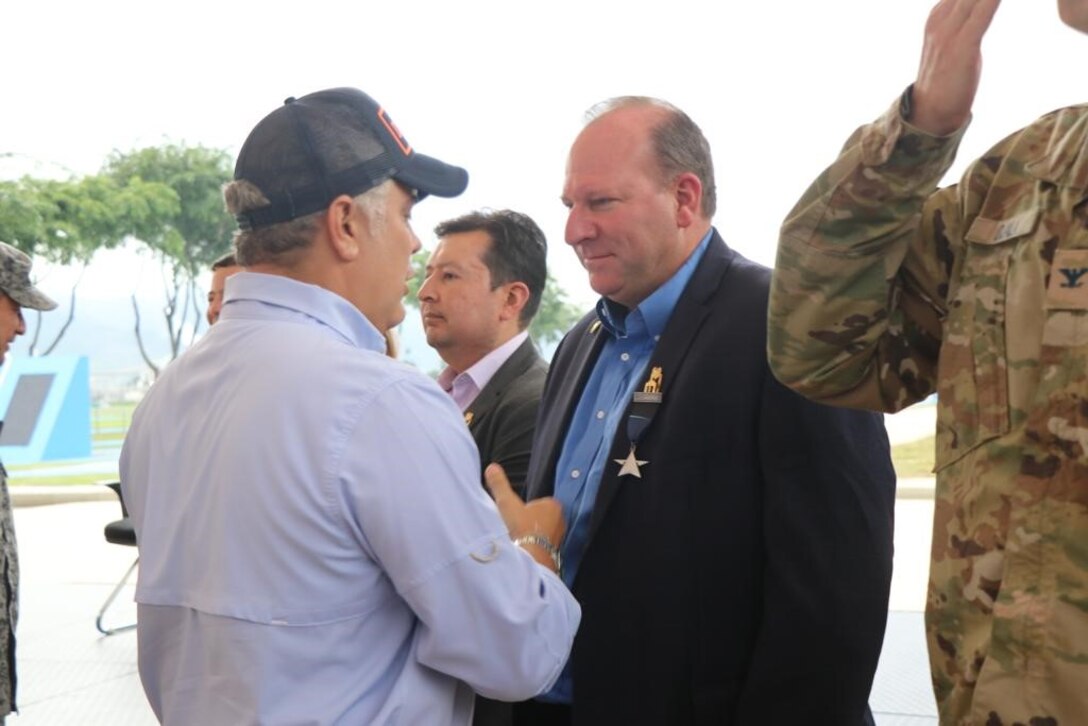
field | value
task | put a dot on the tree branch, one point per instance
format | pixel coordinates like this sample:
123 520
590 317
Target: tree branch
71 313
140 341
198 314
37 332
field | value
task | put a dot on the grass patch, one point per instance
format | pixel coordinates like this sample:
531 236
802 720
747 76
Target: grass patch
104 419
112 436
914 458
61 479
119 410
16 468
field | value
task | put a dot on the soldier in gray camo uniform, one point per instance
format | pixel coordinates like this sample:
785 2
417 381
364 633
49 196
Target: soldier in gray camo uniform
16 293
887 289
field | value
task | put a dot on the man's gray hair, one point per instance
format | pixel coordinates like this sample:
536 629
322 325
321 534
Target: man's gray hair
679 144
281 243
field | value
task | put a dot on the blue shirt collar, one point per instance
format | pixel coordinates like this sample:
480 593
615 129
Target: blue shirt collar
653 312
313 301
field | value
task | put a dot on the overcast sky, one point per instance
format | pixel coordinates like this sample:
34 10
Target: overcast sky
500 88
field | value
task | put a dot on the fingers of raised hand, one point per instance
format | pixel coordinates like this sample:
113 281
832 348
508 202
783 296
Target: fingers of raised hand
964 20
499 486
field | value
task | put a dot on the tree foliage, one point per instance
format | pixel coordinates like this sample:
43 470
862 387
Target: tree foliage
553 319
556 315
186 238
67 221
198 229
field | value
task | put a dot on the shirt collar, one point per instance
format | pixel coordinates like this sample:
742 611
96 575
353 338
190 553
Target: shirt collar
482 371
652 314
313 301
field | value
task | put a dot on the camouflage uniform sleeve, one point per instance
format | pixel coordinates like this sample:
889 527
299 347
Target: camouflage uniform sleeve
861 277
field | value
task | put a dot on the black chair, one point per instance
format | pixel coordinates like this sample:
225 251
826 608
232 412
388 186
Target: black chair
119 532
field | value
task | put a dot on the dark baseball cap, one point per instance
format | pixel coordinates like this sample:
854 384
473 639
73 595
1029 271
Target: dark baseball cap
15 280
338 141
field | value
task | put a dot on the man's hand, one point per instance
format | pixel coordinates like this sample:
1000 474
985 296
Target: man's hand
540 516
951 64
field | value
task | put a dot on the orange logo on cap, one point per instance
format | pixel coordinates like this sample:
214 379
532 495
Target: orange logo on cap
394 132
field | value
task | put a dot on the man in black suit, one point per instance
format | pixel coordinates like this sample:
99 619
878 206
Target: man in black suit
730 543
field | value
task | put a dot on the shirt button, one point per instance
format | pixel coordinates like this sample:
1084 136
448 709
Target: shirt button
600 414
624 357
657 338
575 474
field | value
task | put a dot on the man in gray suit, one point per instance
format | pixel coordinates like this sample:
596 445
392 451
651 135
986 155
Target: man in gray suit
483 287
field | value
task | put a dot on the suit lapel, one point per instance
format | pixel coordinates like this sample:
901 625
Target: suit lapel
569 372
518 362
692 309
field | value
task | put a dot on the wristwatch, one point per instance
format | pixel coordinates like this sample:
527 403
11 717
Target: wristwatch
545 544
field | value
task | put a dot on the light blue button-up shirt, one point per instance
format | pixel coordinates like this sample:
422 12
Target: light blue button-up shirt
315 546
621 366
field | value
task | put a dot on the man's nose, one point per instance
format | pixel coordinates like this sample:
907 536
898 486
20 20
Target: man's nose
425 294
579 227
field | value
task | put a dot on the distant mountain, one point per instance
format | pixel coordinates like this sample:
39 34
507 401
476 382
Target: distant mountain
103 330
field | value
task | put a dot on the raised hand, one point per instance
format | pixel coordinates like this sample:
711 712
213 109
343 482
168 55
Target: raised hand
540 516
951 64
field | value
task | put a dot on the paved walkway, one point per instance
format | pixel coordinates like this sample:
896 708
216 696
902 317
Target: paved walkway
70 674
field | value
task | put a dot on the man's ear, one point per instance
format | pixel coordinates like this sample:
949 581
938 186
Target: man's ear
515 298
689 199
345 225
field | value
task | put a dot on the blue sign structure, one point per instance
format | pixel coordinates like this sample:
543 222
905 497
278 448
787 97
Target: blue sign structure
46 405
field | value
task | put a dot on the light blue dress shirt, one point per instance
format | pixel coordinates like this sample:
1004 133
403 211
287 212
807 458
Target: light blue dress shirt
315 546
621 367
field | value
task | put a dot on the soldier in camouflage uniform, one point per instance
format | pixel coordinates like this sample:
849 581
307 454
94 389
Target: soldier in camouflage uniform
887 289
16 293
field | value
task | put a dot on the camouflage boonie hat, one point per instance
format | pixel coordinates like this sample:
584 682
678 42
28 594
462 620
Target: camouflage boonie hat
15 280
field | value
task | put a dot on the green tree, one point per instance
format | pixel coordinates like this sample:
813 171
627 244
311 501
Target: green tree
187 239
556 315
67 221
553 319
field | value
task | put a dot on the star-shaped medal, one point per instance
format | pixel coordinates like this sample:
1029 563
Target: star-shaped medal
630 465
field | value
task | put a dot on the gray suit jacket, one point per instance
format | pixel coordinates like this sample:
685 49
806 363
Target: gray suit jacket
503 417
501 421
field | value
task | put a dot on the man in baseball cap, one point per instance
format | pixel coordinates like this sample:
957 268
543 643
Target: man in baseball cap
339 141
16 292
315 546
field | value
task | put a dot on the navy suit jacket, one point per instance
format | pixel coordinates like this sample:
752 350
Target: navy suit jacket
744 578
